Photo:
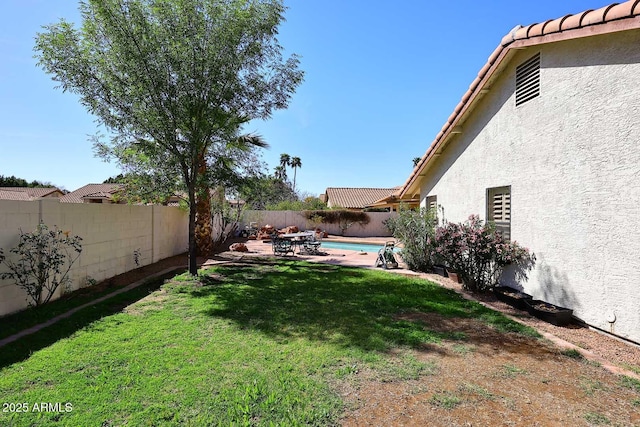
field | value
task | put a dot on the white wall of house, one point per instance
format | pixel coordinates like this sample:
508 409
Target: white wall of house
111 233
572 159
281 219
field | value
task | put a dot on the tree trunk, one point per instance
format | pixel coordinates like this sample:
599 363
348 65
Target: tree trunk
203 228
193 264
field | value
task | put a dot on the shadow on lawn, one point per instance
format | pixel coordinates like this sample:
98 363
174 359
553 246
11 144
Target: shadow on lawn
347 306
22 348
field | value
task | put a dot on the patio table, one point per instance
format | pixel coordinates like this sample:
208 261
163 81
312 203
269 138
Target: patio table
297 239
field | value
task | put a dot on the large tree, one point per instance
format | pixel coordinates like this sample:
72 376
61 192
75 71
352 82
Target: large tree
172 79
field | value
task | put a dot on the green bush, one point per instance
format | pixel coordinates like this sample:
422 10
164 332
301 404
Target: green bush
309 203
344 218
416 230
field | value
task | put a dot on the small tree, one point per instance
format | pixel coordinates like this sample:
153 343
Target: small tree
45 258
172 80
416 230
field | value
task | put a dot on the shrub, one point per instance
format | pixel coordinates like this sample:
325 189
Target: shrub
479 254
344 218
416 230
44 260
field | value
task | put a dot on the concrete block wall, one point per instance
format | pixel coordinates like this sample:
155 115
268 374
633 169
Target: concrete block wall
281 219
111 234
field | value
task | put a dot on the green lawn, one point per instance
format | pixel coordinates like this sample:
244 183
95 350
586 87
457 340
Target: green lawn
259 343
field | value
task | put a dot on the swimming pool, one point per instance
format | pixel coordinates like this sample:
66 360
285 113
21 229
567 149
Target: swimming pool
360 247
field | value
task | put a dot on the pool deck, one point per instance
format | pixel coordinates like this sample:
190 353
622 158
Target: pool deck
329 255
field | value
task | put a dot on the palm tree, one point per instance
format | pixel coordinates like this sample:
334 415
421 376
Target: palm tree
285 160
280 173
295 164
204 229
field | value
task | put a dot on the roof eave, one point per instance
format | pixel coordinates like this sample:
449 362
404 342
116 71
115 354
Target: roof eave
590 23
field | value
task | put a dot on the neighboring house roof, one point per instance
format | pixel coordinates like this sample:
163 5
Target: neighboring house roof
28 193
356 198
91 191
13 195
609 19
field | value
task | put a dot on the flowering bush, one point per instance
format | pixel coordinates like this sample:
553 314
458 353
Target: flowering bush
478 253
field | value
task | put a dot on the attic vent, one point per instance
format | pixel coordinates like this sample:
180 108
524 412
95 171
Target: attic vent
528 80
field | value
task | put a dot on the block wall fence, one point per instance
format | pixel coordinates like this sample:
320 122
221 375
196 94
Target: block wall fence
110 235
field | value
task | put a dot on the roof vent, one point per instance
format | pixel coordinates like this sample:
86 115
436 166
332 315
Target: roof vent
528 80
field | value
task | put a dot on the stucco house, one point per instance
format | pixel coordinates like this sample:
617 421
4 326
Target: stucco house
546 143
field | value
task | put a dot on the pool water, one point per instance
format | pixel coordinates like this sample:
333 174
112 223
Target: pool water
360 247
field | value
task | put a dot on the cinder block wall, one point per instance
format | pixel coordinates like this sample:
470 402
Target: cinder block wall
111 234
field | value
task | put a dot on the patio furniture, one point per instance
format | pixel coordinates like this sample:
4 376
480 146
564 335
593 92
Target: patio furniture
311 244
282 245
297 239
386 258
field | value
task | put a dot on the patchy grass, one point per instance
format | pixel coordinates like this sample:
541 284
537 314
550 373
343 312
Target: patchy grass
595 418
257 343
631 383
591 386
462 349
632 368
476 390
572 353
511 371
446 400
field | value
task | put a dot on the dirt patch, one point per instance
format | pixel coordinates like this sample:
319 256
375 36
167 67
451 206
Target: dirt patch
488 378
124 279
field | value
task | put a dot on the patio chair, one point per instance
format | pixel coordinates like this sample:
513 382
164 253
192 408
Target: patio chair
281 246
311 245
386 257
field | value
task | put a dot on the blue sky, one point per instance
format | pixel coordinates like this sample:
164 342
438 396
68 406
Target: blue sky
381 79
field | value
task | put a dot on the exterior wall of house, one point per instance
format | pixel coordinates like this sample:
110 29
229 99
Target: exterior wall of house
572 159
281 219
111 233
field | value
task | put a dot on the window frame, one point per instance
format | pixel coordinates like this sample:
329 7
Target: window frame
501 225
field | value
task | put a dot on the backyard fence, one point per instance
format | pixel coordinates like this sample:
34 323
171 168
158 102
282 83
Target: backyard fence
113 236
281 219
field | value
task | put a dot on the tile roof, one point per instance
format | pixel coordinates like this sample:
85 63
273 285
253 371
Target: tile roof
90 190
26 193
13 195
356 198
608 19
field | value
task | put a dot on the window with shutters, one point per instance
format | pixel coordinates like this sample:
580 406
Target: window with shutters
432 205
528 80
499 209
432 202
